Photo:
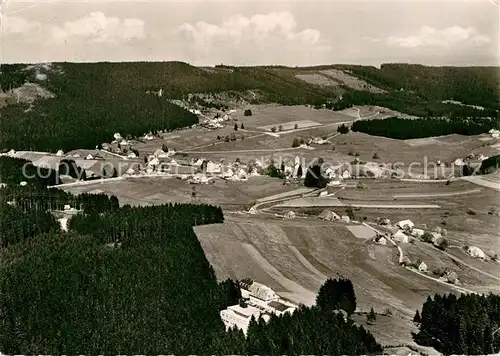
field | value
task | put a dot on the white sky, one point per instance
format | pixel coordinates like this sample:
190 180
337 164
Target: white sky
259 32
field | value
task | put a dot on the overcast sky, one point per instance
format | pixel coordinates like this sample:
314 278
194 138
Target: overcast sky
292 33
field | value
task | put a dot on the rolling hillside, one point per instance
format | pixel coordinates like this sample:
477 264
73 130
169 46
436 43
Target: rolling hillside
68 105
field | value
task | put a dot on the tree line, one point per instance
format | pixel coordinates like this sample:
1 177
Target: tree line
465 325
399 128
470 85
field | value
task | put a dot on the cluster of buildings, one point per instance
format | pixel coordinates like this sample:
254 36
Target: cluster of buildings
200 171
258 301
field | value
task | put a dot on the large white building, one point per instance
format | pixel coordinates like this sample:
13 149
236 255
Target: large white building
261 301
239 316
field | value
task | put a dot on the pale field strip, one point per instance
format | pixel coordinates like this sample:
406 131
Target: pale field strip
362 231
299 293
351 81
432 195
306 263
495 185
417 142
317 79
291 125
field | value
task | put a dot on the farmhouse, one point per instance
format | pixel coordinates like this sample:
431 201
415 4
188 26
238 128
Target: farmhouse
328 215
400 236
476 252
405 224
213 168
417 232
160 153
381 241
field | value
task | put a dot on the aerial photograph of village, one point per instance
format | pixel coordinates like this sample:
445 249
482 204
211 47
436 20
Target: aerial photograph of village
249 178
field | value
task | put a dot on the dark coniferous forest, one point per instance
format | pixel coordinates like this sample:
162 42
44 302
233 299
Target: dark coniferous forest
404 129
95 100
134 280
467 325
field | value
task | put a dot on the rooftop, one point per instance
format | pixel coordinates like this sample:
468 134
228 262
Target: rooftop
279 306
245 312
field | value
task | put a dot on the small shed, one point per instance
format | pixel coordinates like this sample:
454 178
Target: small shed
290 215
422 267
60 153
345 218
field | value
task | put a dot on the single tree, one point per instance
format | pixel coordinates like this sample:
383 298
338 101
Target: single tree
295 142
235 127
273 129
416 318
218 137
280 127
164 147
242 126
371 317
296 127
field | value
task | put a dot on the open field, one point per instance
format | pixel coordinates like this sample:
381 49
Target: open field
351 81
161 190
291 125
286 254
